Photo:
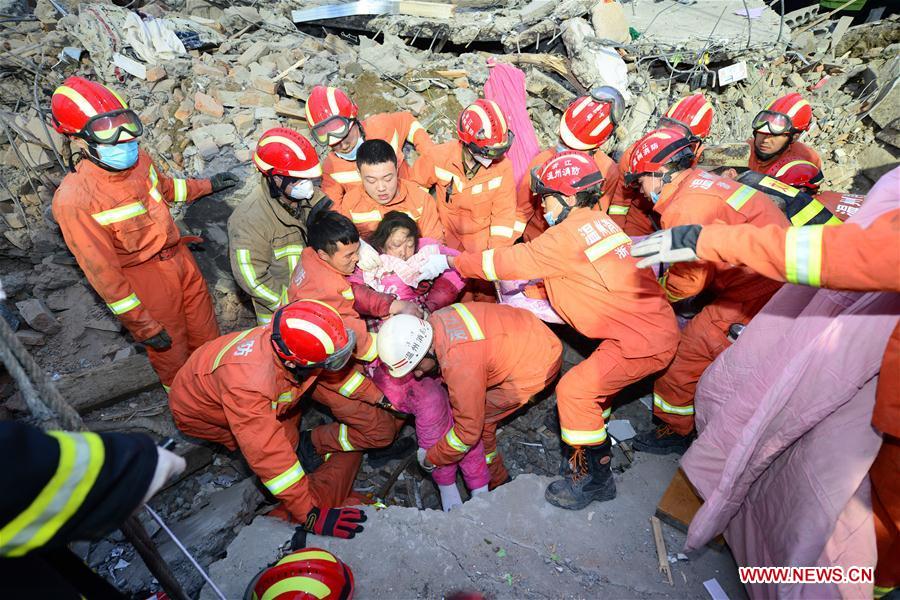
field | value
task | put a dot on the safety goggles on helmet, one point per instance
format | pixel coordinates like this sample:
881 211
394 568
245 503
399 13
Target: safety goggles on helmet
670 123
776 122
332 130
611 96
539 188
493 152
335 361
112 127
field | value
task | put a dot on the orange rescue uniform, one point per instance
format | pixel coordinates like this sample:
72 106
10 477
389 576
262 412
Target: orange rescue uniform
493 359
796 151
697 197
234 391
411 199
476 213
846 258
339 176
594 284
118 226
528 205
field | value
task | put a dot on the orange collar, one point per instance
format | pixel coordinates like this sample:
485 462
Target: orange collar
669 190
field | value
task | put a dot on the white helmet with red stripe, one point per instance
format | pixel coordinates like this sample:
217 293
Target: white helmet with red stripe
330 113
402 342
694 113
589 120
283 151
483 130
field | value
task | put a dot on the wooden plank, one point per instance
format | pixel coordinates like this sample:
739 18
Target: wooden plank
661 553
428 10
101 386
679 504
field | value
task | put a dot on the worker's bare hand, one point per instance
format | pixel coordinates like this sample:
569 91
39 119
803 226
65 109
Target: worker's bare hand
160 341
404 307
730 173
168 465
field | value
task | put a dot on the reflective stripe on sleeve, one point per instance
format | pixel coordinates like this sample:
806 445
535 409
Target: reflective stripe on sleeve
583 438
352 384
519 226
121 213
245 264
413 129
803 255
471 323
154 182
283 398
372 353
618 210
344 438
739 198
122 306
807 213
490 457
346 176
606 245
181 191
487 265
81 456
280 483
348 294
502 231
665 407
455 442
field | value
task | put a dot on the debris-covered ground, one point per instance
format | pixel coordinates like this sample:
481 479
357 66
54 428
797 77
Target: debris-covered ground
214 75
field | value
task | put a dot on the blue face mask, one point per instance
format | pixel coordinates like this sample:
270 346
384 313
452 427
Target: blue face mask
654 197
352 154
551 220
120 156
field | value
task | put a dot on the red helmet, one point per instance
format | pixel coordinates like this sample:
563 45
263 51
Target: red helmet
788 114
566 173
283 151
308 574
587 123
482 128
693 113
92 111
657 149
801 174
312 335
330 113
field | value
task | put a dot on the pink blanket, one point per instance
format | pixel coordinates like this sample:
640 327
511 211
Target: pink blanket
786 438
506 87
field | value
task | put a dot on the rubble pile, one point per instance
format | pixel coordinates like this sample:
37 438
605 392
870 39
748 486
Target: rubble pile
209 77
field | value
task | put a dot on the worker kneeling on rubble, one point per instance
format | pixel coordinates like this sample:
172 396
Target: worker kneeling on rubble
660 165
267 230
596 287
333 120
243 391
493 360
113 210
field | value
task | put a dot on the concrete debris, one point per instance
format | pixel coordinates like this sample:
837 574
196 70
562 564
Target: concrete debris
38 316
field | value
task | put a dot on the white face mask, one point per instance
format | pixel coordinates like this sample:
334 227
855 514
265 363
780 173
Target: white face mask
351 155
484 161
302 190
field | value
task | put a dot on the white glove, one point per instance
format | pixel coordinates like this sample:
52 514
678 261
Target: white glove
678 244
432 267
423 462
168 465
369 259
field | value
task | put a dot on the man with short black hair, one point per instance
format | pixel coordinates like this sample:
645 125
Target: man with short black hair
383 191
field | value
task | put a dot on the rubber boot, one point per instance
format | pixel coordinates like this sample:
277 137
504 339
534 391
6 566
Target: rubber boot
450 497
588 482
662 440
382 456
480 490
310 459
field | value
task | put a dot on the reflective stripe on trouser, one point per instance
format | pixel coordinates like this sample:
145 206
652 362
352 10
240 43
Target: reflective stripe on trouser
81 457
702 340
360 425
584 393
175 294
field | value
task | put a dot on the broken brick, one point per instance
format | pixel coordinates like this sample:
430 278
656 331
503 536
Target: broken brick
253 53
208 105
156 73
38 316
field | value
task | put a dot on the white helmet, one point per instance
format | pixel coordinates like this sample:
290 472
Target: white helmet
403 341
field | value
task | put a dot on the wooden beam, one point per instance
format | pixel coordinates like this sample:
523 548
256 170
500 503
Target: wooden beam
101 386
428 10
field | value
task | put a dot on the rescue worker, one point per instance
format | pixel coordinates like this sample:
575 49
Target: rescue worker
775 132
113 210
267 230
594 285
827 257
383 191
474 185
826 207
692 115
243 390
59 487
660 165
333 120
332 256
586 124
493 360
304 573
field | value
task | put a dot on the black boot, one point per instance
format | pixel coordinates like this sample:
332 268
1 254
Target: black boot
662 440
382 456
310 459
586 483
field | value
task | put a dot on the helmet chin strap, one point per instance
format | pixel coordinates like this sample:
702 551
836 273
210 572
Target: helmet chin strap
565 211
